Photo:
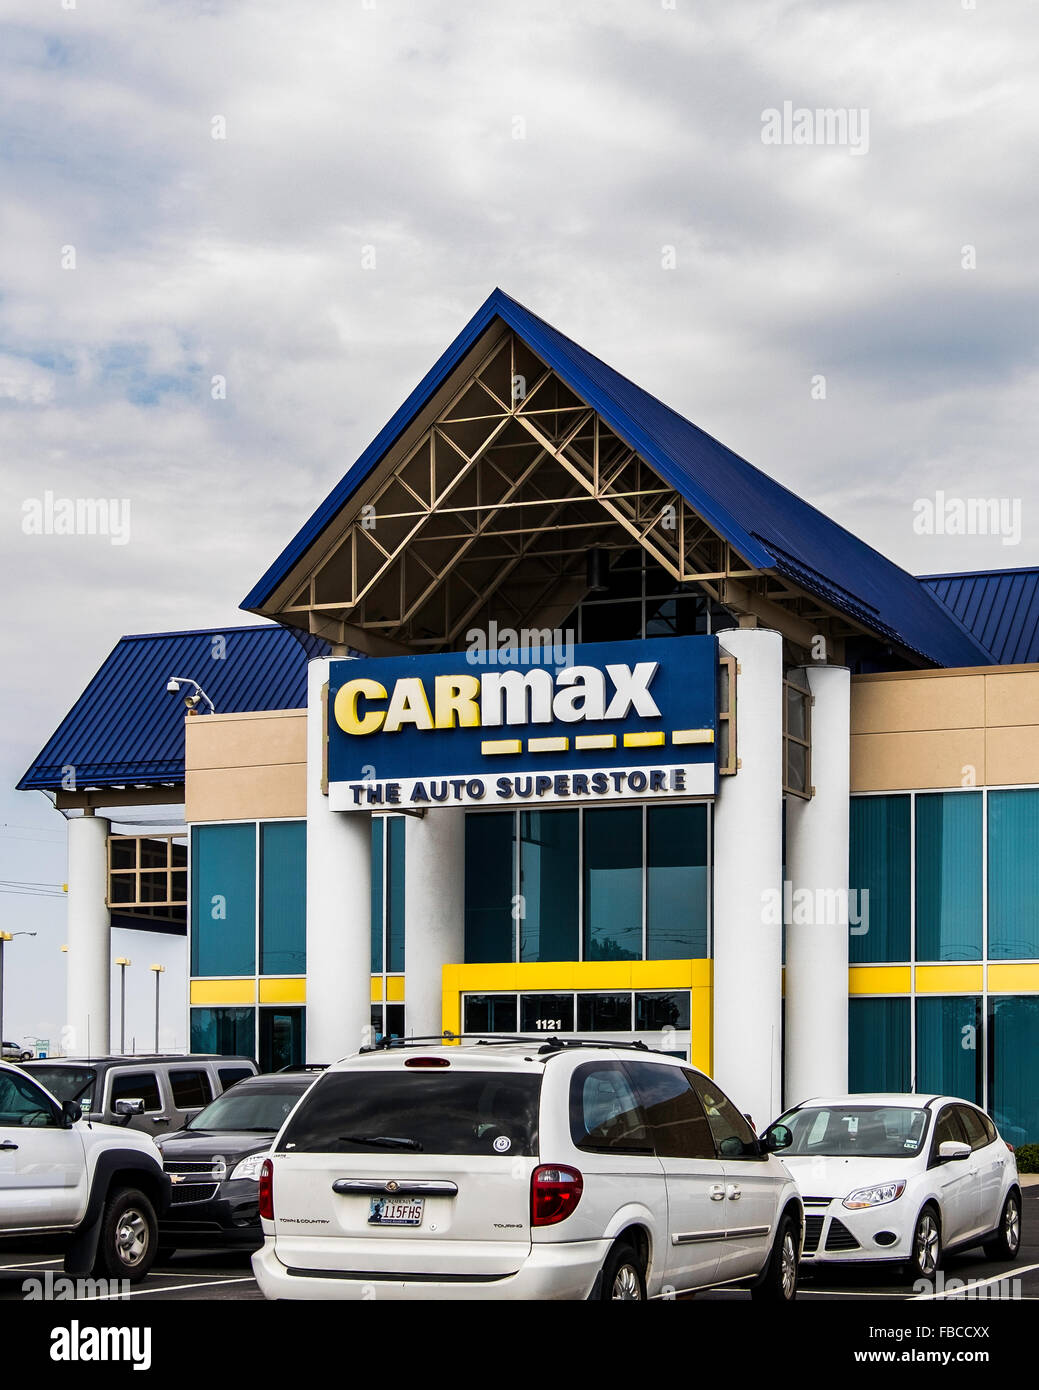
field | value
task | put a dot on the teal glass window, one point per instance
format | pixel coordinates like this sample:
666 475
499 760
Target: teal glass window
378 869
613 883
878 1045
1013 1041
223 900
949 1046
677 883
224 1032
1013 875
387 902
549 919
949 877
489 852
283 898
879 864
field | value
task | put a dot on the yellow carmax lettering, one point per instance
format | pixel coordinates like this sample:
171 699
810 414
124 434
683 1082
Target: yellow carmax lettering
454 699
408 705
345 707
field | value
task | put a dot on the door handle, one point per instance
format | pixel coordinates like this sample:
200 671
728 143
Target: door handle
160 1119
717 1192
7 1145
734 1193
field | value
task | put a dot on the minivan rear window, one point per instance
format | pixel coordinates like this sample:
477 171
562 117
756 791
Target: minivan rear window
431 1112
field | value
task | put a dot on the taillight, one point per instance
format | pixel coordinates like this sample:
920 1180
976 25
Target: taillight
554 1194
1009 1146
266 1190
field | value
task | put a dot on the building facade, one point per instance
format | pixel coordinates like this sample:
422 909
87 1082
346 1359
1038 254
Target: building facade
565 720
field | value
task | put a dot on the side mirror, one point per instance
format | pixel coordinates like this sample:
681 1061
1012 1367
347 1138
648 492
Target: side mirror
71 1112
778 1137
952 1150
126 1108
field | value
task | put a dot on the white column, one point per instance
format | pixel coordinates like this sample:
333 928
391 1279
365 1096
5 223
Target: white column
817 867
338 904
88 973
434 907
748 853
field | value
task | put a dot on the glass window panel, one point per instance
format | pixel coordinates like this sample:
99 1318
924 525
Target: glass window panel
948 876
190 1089
672 1110
489 1013
123 854
948 1046
225 1032
613 884
1013 1043
733 1136
283 898
1013 875
223 913
657 1010
879 865
678 883
604 1113
611 622
878 1045
282 1038
395 1020
395 829
136 1085
550 884
546 1013
378 893
489 887
796 712
598 1013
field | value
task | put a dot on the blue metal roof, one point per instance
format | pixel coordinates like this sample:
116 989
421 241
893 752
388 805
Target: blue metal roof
126 729
1000 607
768 525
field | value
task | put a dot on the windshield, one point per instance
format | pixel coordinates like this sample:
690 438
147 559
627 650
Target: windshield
66 1083
432 1112
261 1108
856 1131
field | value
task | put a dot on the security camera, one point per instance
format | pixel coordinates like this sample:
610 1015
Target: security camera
172 685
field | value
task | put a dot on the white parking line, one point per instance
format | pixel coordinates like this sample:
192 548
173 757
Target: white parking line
32 1264
963 1290
174 1288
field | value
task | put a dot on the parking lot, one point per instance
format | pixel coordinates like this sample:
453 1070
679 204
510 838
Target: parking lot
209 1276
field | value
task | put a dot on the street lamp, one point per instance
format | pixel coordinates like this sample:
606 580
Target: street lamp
122 963
159 970
5 937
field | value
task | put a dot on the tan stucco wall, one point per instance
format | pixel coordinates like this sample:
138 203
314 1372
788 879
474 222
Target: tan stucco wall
245 766
945 728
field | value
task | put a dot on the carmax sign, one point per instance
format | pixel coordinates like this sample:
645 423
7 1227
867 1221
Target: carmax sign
619 720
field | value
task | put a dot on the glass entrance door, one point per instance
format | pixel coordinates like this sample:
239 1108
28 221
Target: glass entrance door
282 1038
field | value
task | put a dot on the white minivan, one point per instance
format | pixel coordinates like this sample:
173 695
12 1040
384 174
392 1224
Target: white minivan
523 1169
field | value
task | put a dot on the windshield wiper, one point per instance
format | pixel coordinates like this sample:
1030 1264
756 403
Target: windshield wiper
380 1141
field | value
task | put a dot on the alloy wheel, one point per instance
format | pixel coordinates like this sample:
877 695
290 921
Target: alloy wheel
131 1237
927 1244
626 1284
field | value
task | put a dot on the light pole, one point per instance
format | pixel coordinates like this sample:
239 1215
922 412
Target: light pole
5 937
159 970
122 963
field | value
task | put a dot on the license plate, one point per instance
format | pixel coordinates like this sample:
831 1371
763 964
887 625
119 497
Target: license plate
396 1211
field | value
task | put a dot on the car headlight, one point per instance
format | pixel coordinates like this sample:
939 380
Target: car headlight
874 1196
249 1167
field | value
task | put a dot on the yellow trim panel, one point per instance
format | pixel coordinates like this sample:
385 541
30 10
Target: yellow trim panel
234 991
879 979
692 736
547 745
949 979
282 990
589 741
651 740
501 745
1013 979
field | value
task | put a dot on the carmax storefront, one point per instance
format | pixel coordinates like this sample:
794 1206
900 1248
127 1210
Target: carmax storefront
565 720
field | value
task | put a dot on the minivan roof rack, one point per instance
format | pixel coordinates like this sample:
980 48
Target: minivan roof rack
544 1045
299 1067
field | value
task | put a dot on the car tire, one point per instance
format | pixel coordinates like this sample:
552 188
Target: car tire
778 1280
623 1277
129 1240
1005 1244
927 1245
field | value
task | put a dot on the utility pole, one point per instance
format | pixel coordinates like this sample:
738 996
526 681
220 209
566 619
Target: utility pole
122 963
159 970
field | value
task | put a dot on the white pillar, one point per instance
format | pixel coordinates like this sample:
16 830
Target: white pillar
434 907
817 867
88 973
338 904
748 853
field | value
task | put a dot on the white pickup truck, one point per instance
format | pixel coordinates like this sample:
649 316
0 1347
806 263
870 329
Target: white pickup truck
100 1186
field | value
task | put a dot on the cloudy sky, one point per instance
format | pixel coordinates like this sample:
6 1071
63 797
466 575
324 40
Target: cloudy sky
198 188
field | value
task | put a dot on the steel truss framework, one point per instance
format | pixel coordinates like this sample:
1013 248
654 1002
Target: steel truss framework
490 515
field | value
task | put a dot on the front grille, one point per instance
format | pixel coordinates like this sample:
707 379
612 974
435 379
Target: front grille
194 1192
178 1165
816 1201
813 1230
838 1237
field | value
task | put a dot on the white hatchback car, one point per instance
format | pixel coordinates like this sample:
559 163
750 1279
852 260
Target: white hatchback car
902 1178
522 1169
